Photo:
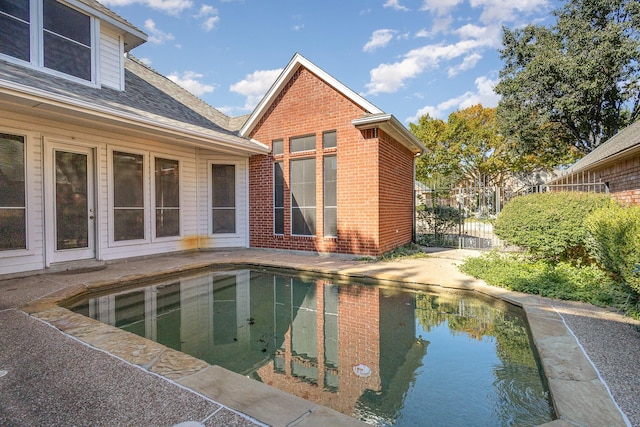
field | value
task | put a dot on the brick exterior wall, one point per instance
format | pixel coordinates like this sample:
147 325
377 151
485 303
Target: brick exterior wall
374 175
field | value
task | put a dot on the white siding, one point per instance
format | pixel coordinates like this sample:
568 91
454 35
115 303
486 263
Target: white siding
111 60
194 189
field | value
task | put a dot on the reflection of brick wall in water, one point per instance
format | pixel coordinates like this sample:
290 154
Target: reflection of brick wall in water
358 343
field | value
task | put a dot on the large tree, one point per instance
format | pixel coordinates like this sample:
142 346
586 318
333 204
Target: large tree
569 87
467 147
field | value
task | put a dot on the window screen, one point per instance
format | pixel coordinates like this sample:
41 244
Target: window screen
278 198
167 197
303 197
330 196
303 143
15 29
223 200
329 140
13 227
128 196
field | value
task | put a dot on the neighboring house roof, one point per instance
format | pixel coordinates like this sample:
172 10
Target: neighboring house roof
374 117
150 105
625 142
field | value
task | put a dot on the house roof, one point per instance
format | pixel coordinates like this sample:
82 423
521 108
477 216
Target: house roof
132 35
373 117
621 144
150 105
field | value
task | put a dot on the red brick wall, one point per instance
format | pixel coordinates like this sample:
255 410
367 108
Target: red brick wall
307 105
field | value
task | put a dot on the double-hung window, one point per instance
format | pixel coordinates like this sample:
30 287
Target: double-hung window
167 194
223 199
48 35
13 226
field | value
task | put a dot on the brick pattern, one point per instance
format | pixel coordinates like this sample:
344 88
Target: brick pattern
623 179
375 174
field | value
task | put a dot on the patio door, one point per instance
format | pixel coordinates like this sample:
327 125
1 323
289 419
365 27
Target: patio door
71 200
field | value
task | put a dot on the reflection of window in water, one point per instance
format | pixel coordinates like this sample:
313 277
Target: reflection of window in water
128 192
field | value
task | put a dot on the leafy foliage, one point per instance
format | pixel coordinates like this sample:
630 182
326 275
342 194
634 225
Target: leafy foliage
549 225
614 241
466 147
561 280
569 87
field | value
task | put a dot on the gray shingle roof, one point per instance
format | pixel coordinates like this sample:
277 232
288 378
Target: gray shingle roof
148 96
624 140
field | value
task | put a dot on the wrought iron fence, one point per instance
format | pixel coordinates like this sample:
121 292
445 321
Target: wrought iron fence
463 217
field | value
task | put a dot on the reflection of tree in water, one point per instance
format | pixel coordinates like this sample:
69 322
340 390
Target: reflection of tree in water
520 394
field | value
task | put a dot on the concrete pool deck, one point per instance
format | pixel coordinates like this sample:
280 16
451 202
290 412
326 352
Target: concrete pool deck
61 368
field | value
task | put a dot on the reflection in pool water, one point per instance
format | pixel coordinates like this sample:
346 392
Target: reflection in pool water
385 356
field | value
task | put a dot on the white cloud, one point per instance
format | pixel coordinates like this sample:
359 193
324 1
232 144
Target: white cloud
483 94
440 7
379 38
172 7
190 81
395 5
468 62
156 36
388 78
297 27
210 15
254 86
505 10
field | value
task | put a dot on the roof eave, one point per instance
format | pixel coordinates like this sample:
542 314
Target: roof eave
389 124
38 100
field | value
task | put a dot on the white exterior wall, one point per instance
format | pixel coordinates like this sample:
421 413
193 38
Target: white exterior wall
42 135
111 60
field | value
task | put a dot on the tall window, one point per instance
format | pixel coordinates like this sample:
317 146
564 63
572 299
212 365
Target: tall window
330 196
128 196
223 200
15 29
65 34
167 197
303 197
13 209
278 198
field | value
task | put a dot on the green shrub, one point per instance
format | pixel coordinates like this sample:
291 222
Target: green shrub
614 242
559 280
549 225
440 219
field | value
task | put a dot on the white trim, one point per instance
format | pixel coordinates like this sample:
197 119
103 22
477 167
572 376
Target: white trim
145 196
238 225
296 62
152 193
29 198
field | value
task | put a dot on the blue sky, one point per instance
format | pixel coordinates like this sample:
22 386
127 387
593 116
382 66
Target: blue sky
408 57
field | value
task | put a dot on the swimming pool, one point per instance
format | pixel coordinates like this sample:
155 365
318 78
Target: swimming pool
385 355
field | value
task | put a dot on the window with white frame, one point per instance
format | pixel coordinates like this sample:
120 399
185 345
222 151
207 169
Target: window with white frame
128 196
48 34
13 209
223 199
167 195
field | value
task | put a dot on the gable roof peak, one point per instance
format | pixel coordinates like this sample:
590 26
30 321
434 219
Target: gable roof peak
296 62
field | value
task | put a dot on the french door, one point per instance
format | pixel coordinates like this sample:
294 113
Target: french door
71 203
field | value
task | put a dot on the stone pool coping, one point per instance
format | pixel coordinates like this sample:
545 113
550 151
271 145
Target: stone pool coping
579 396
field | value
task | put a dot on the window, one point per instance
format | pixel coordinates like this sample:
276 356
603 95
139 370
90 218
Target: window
223 200
278 147
278 198
62 36
303 197
66 40
167 197
303 143
330 196
13 225
128 196
15 29
329 140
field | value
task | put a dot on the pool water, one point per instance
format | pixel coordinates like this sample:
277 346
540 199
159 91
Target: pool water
383 355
